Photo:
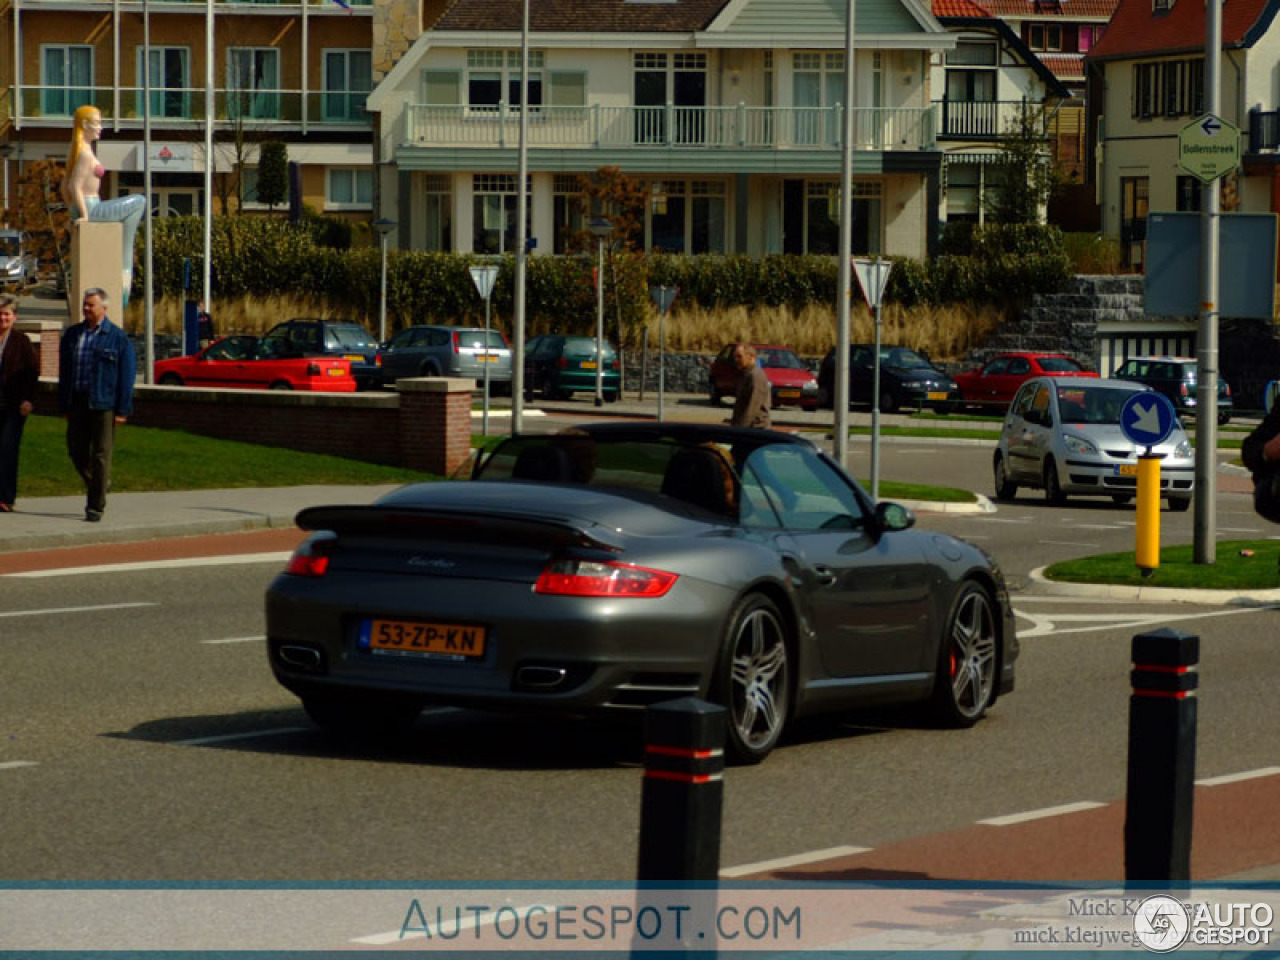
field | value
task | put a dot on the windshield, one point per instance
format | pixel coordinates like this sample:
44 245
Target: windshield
1096 405
586 348
1059 365
773 357
902 357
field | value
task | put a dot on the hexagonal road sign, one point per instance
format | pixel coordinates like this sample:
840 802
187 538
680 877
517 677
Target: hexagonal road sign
1209 148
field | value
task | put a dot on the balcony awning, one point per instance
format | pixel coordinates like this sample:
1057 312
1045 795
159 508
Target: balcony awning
986 157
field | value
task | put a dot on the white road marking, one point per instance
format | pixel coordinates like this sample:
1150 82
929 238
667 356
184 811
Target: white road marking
52 610
1097 526
15 764
1072 543
156 565
1239 530
1237 777
1041 814
1007 519
235 640
781 862
227 737
1048 623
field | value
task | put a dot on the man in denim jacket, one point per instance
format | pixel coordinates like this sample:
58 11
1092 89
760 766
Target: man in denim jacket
96 370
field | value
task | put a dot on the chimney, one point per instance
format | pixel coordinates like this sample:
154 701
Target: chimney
396 24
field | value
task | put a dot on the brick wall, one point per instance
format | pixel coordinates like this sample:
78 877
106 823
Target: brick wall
44 336
426 426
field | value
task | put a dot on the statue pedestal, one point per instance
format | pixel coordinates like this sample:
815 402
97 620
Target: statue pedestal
96 255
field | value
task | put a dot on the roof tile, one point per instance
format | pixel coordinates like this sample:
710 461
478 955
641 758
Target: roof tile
1136 29
1081 10
603 16
958 8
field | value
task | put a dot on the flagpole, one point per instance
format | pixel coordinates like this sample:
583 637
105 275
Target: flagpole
149 302
210 94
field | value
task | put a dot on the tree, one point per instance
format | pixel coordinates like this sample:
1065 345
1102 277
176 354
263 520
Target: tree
1025 176
273 173
42 213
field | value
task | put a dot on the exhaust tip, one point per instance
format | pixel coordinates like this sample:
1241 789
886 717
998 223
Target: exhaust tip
541 678
301 657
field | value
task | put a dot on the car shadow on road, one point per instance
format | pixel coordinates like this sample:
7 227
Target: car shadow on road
443 737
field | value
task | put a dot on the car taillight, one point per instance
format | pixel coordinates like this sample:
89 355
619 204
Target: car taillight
377 359
1228 386
311 559
1182 389
562 363
456 341
589 578
313 369
505 342
613 364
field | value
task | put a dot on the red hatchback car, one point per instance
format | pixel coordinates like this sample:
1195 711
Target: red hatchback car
238 362
791 381
999 379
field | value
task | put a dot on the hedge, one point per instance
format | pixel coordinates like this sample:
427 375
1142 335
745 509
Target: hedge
257 256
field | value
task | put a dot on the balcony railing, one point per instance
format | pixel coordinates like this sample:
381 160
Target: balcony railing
677 128
165 6
977 119
173 106
1264 130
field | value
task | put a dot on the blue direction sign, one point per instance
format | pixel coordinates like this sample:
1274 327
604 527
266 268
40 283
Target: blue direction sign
1147 418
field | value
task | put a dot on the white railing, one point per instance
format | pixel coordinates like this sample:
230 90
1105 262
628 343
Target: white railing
677 128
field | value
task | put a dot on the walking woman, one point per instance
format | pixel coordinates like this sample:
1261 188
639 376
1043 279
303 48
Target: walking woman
19 372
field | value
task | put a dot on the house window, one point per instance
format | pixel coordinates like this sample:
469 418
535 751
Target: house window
494 213
1044 36
1134 193
678 79
687 216
438 215
1168 88
964 193
249 188
170 82
1190 193
348 188
1161 6
822 217
569 219
970 54
67 79
253 83
493 73
348 78
1088 36
817 85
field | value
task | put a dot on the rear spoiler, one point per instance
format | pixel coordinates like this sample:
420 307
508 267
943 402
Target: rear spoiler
472 526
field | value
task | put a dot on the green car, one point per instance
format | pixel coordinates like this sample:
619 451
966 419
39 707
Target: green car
558 365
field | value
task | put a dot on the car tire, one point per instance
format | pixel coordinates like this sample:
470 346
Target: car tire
888 402
1121 498
968 658
715 396
1006 489
753 679
282 385
169 380
1052 485
1224 419
611 396
946 408
1179 504
554 393
359 717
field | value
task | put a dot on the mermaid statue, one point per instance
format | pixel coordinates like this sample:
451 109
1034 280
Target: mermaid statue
80 190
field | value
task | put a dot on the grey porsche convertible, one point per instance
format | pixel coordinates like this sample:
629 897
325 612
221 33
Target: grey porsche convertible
613 566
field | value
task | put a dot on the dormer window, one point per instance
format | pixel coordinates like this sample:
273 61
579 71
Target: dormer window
1161 6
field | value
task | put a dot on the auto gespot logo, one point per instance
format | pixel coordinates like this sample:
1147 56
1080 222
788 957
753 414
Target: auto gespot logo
1163 923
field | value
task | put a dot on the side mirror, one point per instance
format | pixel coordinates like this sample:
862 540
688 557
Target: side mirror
892 516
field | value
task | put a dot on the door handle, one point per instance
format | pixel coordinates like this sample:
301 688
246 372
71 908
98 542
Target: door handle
824 574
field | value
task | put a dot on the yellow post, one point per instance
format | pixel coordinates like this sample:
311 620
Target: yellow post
1147 534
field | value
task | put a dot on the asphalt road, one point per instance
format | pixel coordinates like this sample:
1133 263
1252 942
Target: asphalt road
144 739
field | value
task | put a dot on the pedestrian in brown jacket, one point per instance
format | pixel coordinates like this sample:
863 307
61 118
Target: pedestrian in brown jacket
19 372
754 397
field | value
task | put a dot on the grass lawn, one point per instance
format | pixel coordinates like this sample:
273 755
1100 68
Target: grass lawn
1232 571
919 491
150 459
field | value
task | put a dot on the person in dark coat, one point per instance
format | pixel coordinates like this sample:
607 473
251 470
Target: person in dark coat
19 373
754 395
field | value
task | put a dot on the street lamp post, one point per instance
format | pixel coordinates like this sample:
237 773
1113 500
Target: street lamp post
383 226
601 228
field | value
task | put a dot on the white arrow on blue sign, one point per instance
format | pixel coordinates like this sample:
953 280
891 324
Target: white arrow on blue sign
1147 419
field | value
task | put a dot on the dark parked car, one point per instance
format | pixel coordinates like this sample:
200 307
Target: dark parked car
327 338
613 566
790 381
435 351
1175 377
558 365
906 379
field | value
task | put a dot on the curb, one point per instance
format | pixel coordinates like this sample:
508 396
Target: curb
982 505
1063 588
105 534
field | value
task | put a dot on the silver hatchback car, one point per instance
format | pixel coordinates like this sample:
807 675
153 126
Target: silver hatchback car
1064 437
443 351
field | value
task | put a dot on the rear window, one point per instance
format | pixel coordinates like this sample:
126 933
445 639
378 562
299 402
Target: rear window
349 335
475 338
784 359
1091 405
586 348
1059 365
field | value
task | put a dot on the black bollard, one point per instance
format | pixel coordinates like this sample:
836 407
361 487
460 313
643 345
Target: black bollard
1162 758
683 796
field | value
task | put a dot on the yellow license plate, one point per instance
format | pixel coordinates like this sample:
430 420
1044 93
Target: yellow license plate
937 395
1127 470
354 358
485 358
588 365
336 372
788 393
412 637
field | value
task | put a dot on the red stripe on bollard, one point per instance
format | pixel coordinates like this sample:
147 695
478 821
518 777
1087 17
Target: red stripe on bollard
1167 694
1156 668
681 752
681 777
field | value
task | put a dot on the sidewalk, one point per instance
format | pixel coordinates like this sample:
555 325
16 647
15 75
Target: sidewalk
43 522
